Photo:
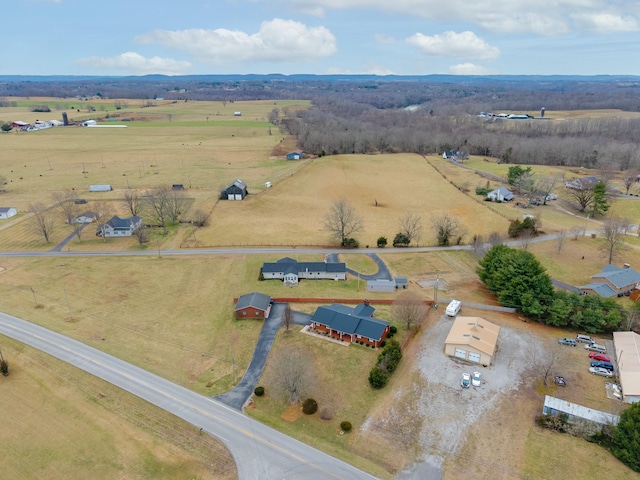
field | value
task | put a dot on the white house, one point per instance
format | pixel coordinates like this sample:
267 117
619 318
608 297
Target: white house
86 217
119 227
291 271
7 212
501 194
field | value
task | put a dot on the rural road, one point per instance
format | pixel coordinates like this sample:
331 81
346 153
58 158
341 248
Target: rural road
260 452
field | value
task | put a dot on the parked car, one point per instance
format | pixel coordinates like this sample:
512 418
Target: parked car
601 371
607 365
594 347
567 341
476 379
601 357
551 196
466 380
560 381
584 339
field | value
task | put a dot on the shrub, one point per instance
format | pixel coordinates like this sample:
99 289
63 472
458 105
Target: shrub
350 243
383 343
393 329
259 391
309 406
377 378
483 191
401 240
382 242
345 426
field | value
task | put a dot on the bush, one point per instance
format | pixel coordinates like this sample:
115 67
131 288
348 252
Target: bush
401 240
345 426
350 243
383 343
377 378
309 406
483 191
393 329
382 242
259 391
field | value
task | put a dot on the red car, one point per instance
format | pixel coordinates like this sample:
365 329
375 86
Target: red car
599 356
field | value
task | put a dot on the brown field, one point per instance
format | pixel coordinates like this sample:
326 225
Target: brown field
58 422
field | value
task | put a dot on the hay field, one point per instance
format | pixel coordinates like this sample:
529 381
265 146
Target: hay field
292 211
59 422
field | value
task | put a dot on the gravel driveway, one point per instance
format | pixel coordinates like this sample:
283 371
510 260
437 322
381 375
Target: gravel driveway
447 408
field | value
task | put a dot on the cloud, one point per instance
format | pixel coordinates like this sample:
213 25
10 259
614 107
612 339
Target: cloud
469 69
606 22
136 64
277 41
383 39
542 17
452 44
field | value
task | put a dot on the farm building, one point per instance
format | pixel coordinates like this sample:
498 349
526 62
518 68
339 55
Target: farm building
401 282
7 212
612 281
594 420
253 305
385 286
627 351
19 124
86 217
350 324
100 188
295 155
236 191
473 339
119 227
501 194
291 271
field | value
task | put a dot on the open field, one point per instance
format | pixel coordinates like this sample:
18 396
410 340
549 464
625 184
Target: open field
59 422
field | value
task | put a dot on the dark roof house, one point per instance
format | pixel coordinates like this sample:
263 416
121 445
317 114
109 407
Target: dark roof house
583 183
253 305
351 324
119 227
612 281
291 271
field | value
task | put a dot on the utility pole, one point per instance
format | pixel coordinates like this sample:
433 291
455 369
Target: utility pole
435 290
34 297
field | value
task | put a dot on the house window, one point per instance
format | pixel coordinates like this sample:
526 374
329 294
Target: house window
256 312
244 312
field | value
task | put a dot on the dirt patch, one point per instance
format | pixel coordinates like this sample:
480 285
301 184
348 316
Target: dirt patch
292 413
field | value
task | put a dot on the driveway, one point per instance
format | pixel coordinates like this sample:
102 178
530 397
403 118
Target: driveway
383 272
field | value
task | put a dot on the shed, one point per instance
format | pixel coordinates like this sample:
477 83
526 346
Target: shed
473 339
576 413
401 282
627 351
386 286
236 191
295 155
253 305
100 188
7 212
237 114
177 186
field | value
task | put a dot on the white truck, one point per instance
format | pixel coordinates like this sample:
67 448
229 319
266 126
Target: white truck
453 308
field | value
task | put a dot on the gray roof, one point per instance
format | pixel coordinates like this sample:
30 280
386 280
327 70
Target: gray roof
5 209
289 265
117 222
559 405
601 289
253 300
504 192
237 184
619 277
346 319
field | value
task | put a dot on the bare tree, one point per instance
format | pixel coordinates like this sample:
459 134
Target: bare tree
200 218
478 244
562 235
133 201
287 317
411 226
614 231
629 180
176 204
42 221
342 221
409 308
158 206
293 373
575 232
546 185
65 204
104 211
542 361
583 196
448 229
142 235
495 239
524 239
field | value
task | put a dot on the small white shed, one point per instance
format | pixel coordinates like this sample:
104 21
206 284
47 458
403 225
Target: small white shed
100 188
7 212
385 286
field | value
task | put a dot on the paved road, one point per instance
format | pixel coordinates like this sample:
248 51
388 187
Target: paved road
383 272
260 452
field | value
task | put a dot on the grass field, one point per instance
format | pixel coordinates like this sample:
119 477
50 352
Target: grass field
58 422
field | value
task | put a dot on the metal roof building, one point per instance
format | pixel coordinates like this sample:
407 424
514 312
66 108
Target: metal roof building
627 351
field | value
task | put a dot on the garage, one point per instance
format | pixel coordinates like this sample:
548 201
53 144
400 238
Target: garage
460 353
472 339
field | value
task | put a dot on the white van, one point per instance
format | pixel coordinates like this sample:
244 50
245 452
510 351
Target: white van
453 308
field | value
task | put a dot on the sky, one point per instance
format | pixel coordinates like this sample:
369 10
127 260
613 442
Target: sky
381 37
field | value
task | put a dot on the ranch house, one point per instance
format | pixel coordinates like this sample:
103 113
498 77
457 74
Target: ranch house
612 281
291 271
350 324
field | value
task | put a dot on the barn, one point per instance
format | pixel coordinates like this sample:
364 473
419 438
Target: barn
472 339
236 191
253 305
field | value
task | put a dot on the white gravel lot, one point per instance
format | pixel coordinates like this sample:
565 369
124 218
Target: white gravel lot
449 409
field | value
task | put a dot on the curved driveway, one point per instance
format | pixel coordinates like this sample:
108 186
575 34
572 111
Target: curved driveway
260 452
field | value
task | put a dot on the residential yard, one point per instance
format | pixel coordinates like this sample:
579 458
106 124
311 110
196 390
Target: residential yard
59 422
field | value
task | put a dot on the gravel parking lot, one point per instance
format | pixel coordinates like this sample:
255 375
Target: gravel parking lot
449 409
